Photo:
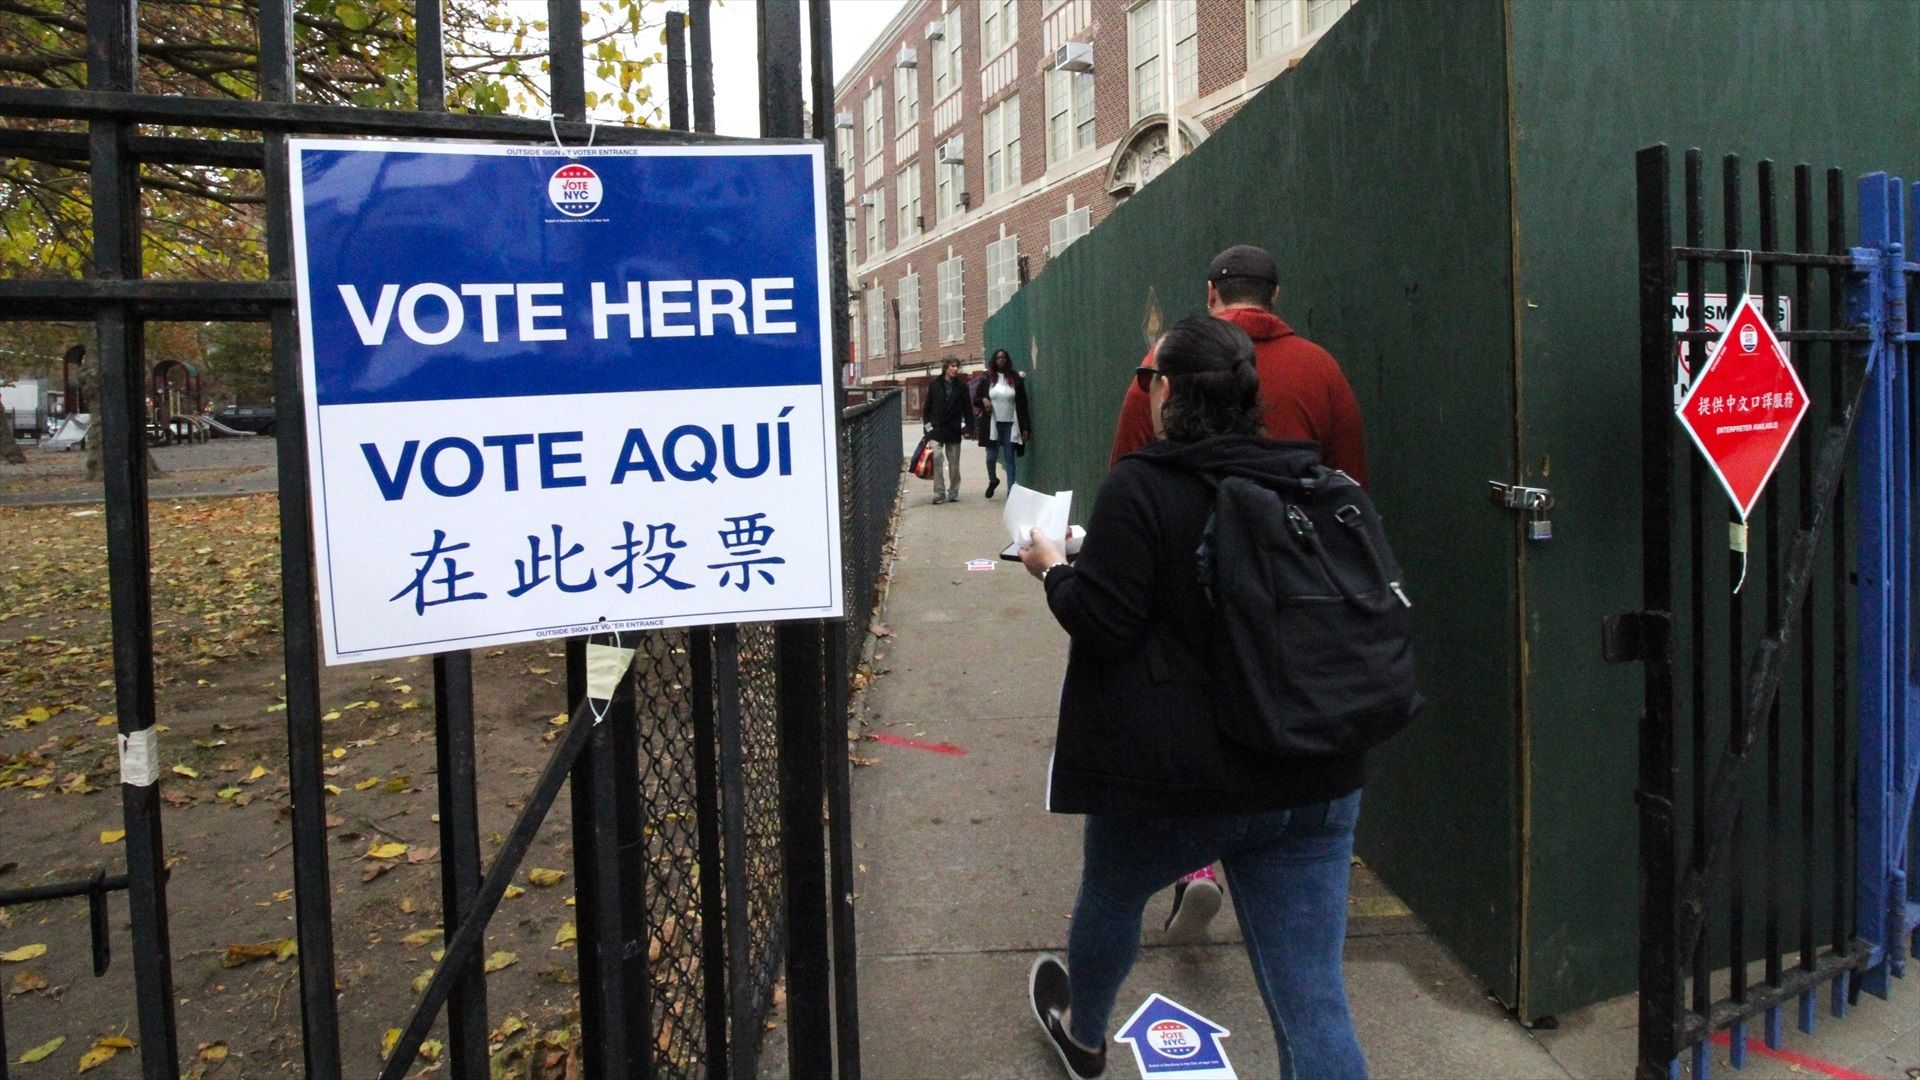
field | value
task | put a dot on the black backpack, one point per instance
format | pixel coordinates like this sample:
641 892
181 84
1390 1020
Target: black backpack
1315 652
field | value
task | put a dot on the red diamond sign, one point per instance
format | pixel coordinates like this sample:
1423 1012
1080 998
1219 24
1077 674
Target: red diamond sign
1744 408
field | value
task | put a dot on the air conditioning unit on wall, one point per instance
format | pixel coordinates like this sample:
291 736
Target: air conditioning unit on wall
907 58
937 30
843 120
867 201
952 152
1074 56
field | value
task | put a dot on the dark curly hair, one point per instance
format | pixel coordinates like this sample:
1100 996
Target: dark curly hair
1212 386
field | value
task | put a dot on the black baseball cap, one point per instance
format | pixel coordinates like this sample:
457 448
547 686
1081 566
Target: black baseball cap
1243 260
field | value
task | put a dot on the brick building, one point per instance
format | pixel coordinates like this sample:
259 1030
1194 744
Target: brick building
980 137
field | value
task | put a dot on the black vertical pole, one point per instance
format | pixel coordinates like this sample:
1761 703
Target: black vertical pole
112 43
839 769
699 20
1660 962
743 1042
1737 719
1769 303
455 779
566 60
1803 304
1838 357
677 70
713 919
430 51
1695 947
313 889
799 646
460 869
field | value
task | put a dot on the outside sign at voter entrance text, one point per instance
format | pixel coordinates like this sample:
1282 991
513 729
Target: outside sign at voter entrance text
549 393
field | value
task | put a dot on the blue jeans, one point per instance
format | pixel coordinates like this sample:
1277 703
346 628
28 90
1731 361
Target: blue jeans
1287 874
1003 451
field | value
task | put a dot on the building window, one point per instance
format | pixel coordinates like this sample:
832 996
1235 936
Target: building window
1323 13
1069 114
949 187
1002 136
1186 50
946 56
876 301
1003 271
910 313
876 120
1143 60
876 222
852 259
1272 27
953 306
843 152
909 189
999 25
906 97
1067 228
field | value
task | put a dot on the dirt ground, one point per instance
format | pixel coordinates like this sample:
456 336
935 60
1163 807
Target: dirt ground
223 753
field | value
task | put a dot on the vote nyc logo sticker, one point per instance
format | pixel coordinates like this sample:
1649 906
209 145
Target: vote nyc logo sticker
574 190
1173 1039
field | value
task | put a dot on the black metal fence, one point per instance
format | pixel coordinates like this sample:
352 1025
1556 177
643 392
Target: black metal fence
700 857
1747 634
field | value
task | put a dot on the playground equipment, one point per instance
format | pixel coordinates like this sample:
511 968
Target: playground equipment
178 404
71 432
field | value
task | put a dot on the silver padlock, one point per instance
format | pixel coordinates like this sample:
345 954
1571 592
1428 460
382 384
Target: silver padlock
1539 528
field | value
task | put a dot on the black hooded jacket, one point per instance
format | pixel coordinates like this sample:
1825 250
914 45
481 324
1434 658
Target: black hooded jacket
1137 731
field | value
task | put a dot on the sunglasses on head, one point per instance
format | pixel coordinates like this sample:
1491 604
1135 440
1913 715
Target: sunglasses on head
1143 377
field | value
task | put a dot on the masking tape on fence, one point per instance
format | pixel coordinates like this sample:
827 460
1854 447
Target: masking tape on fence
606 664
140 757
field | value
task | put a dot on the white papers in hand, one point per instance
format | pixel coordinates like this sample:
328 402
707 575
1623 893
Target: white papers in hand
1027 510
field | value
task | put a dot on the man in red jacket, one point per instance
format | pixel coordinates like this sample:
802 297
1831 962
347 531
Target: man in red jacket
1304 393
1305 398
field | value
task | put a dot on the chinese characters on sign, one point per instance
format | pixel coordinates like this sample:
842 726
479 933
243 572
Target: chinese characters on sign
551 393
1743 409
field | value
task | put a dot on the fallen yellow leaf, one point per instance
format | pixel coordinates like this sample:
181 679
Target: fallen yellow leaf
189 773
431 1049
23 954
258 772
369 782
285 949
98 1056
387 1042
513 891
334 789
499 961
544 877
386 851
567 932
421 980
339 752
28 981
421 937
242 954
112 836
118 1042
38 781
43 1051
213 1051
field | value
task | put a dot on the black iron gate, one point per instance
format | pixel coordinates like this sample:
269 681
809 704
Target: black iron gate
1750 845
707 786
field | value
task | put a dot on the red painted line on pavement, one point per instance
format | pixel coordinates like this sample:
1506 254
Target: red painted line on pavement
1824 1068
916 744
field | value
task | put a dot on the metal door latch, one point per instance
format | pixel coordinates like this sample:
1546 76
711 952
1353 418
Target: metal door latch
1536 501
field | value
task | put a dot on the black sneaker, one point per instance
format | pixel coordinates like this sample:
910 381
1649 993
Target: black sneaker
1050 993
991 484
1195 903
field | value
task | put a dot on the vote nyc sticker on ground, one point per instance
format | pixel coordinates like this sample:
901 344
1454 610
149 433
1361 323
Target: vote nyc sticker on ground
552 392
1169 1039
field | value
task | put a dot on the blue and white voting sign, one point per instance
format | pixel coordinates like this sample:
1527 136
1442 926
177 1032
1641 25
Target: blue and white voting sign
552 392
1169 1039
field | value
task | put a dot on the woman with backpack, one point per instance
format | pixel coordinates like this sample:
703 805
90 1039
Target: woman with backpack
1000 402
1146 746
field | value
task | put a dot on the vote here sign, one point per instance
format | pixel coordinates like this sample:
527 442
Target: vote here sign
555 392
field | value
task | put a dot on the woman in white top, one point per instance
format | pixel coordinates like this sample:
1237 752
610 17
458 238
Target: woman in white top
1005 424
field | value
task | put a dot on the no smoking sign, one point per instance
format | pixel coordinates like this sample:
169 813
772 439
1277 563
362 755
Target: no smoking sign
1744 408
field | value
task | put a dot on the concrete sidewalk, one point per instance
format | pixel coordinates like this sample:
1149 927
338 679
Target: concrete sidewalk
963 877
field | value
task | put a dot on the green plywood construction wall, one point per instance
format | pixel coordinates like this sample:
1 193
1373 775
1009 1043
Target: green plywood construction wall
1825 82
1376 172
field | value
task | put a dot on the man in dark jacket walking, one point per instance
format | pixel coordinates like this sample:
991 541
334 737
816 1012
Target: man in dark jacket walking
946 414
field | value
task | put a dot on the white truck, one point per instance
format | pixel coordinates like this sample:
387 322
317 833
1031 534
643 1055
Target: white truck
25 405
